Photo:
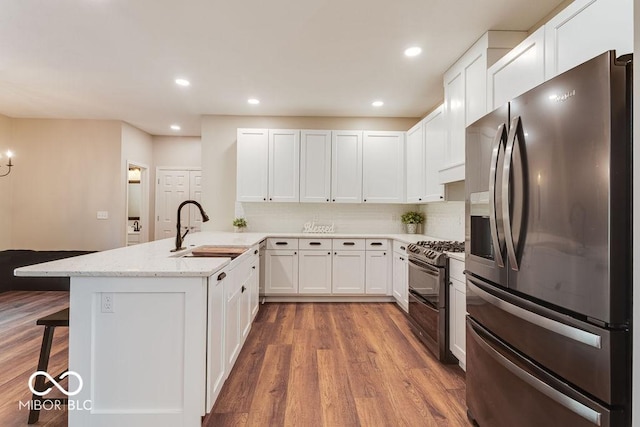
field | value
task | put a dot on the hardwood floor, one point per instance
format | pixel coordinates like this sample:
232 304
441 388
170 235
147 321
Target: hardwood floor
338 364
20 340
305 364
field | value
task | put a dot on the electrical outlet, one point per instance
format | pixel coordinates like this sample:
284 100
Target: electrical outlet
107 302
103 215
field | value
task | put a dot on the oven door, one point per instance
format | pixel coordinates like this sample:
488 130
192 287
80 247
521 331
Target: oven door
427 282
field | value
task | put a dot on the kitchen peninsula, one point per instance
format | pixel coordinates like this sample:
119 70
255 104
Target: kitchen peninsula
154 334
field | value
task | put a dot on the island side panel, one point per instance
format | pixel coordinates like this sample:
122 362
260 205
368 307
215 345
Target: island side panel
139 344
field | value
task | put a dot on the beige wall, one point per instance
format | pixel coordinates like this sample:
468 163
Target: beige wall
66 171
219 153
5 184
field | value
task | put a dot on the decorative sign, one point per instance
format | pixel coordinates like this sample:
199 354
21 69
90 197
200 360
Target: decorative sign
312 227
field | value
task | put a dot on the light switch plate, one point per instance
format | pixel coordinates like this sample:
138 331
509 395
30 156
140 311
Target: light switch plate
103 215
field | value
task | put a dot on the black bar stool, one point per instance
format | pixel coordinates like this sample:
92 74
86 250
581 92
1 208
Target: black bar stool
50 322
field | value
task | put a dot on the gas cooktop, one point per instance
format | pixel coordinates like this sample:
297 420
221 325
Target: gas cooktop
432 251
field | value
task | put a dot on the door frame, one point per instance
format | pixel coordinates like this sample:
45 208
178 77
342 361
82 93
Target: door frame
145 201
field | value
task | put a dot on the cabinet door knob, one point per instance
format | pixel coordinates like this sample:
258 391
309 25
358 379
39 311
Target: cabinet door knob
365 200
419 199
255 252
334 200
270 198
384 253
442 197
328 200
243 289
265 199
328 253
295 253
254 267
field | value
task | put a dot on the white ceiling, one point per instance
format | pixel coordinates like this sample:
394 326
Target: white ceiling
117 59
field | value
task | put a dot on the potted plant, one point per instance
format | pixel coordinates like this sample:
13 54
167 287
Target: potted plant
239 224
412 219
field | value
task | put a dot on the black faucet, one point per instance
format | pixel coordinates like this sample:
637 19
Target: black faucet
180 238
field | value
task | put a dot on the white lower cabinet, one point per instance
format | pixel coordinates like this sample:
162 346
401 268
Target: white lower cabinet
232 321
401 280
254 288
378 272
314 272
215 337
457 311
281 272
348 272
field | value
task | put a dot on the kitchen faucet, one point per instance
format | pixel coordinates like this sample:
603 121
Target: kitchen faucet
180 238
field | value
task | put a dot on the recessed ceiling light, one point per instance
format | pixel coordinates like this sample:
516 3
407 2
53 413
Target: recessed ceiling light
413 51
183 82
377 103
175 127
253 101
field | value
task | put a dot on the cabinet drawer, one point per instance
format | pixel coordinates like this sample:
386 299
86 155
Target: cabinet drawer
400 247
377 244
456 270
313 244
283 244
348 244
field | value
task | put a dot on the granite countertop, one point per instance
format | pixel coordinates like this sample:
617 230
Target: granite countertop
154 259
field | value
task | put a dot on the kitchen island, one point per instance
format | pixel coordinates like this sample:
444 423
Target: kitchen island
154 334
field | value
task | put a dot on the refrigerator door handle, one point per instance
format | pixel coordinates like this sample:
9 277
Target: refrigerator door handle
570 332
571 404
498 143
506 191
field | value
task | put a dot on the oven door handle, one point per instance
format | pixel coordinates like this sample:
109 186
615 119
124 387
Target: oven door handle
424 266
422 299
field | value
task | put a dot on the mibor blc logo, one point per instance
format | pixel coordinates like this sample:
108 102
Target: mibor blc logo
53 403
55 383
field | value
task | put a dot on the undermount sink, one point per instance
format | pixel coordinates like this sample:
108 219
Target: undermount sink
216 252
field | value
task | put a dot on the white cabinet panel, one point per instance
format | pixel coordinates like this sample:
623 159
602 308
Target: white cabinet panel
255 287
383 167
281 276
252 165
378 272
434 142
233 333
401 280
315 166
284 165
416 163
587 28
465 95
348 273
517 72
215 339
457 311
346 172
314 269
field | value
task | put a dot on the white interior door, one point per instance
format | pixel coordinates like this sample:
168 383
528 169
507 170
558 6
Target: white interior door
195 193
173 187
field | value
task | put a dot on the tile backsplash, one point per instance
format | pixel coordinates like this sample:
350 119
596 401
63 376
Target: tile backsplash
444 220
348 218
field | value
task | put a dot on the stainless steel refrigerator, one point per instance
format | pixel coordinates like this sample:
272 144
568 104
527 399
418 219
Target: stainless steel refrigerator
548 253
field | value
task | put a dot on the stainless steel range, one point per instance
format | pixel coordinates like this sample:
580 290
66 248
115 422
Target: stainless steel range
429 294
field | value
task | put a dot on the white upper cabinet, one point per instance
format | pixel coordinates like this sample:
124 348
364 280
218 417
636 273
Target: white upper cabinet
346 172
252 165
517 72
284 165
465 95
383 167
434 142
416 163
587 28
315 166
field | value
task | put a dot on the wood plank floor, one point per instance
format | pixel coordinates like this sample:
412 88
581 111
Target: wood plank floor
338 364
305 364
20 340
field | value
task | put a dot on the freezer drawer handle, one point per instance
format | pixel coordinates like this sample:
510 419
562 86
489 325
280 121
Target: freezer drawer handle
570 332
573 405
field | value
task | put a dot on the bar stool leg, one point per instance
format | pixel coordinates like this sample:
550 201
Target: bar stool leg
43 364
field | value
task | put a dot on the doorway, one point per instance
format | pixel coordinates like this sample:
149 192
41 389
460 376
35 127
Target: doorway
137 203
174 186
